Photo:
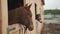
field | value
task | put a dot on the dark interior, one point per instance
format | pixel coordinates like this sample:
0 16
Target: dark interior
35 10
12 4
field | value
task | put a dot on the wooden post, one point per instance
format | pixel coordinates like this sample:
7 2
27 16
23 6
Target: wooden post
3 16
0 17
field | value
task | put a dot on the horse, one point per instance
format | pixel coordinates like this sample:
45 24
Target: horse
21 15
38 17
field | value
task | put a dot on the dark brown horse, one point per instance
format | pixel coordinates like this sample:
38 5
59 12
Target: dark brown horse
21 15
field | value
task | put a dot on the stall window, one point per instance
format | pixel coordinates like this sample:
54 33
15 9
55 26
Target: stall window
37 16
12 4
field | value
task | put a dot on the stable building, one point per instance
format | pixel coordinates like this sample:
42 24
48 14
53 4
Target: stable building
36 8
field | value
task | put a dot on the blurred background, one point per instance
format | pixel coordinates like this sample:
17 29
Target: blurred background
52 17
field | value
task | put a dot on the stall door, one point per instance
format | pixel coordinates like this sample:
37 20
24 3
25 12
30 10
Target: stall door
13 4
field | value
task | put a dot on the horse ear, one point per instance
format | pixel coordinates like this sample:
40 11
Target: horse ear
29 6
26 5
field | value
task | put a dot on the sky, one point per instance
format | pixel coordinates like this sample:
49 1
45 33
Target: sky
52 4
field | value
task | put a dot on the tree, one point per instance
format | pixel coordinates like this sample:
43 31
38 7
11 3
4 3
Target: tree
55 12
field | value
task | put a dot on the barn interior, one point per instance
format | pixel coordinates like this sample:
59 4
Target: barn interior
12 4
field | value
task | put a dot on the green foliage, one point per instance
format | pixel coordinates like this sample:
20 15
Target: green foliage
54 12
48 18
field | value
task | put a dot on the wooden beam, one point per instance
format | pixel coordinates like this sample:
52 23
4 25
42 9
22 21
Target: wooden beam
4 15
0 17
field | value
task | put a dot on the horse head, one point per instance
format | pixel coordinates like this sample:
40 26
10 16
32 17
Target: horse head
21 15
29 21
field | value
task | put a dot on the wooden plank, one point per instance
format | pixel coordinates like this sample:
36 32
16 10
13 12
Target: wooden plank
15 29
4 16
0 18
